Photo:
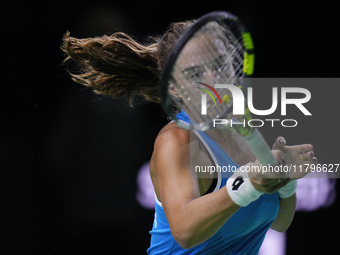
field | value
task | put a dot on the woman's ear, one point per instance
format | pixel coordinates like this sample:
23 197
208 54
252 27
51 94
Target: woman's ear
174 92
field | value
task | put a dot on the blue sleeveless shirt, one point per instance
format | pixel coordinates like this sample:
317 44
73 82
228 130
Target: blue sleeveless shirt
242 234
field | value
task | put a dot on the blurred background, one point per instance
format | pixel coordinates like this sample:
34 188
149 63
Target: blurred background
71 160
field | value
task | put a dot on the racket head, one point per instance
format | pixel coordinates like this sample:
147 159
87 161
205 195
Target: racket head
216 49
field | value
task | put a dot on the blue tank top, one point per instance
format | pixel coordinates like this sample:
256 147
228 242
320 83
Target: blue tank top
242 234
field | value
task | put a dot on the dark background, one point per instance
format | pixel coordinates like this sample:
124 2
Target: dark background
69 158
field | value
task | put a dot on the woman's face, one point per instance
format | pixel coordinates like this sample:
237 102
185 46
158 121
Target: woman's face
203 61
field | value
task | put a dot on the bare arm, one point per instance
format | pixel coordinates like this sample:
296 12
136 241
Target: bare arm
192 218
298 155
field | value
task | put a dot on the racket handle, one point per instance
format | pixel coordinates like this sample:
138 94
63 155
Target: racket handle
261 149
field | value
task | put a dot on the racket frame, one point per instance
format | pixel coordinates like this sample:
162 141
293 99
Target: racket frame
255 140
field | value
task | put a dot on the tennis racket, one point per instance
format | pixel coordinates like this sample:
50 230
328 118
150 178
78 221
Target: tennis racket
214 53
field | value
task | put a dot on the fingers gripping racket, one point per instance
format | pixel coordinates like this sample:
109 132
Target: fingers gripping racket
216 52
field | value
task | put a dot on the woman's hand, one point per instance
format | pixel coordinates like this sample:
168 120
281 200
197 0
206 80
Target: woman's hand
294 158
297 158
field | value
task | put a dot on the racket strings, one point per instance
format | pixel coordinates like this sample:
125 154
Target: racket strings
210 60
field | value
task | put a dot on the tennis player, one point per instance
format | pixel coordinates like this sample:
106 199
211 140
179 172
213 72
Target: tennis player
196 212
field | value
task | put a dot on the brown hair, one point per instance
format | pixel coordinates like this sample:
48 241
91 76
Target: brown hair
118 65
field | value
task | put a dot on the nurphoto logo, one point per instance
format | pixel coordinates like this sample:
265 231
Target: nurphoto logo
239 106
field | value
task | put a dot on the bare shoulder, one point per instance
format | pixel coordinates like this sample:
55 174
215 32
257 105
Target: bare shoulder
171 155
172 134
175 154
171 144
175 142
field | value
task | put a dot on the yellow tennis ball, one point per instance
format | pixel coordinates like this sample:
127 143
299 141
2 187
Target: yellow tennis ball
226 99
